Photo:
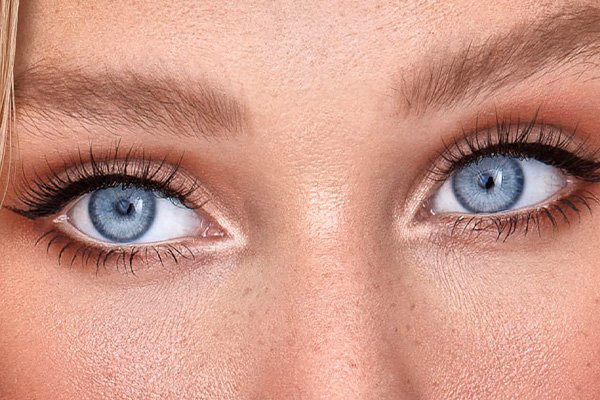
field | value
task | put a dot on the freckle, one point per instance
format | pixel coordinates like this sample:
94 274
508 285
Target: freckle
588 364
266 289
597 300
393 305
413 306
396 330
407 327
247 291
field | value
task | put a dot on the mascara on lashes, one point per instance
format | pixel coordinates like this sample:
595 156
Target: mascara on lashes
545 143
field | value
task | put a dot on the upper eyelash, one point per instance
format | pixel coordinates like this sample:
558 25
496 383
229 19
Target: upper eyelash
534 139
549 144
44 196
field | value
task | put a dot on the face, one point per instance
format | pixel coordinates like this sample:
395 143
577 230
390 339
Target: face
303 200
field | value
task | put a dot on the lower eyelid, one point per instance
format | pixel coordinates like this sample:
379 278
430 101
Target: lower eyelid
73 250
558 212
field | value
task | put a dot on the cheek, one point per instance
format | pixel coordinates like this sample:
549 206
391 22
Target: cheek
480 328
506 326
69 334
108 343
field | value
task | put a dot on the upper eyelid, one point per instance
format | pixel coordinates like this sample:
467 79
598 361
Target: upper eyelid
438 168
513 134
513 137
38 195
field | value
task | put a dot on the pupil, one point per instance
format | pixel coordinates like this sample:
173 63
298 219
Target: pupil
124 207
486 181
490 183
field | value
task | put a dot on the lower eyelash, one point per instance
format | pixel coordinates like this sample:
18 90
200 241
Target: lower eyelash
126 258
502 226
545 143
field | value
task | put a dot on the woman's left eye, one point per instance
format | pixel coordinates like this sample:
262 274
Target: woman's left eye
497 184
132 215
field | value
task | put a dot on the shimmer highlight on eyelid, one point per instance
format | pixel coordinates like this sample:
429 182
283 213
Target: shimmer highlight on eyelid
49 192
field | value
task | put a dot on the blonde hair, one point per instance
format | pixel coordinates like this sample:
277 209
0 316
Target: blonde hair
8 40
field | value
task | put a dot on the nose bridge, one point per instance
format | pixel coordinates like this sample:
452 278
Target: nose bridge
333 307
338 342
332 337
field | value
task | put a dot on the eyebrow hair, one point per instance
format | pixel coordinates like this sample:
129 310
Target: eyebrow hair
116 100
561 40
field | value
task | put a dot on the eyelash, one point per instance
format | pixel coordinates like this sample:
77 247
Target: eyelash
534 139
45 196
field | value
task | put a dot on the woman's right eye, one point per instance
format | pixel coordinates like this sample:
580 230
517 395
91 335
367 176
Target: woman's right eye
125 214
122 207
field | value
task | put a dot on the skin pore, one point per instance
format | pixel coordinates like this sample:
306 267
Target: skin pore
310 130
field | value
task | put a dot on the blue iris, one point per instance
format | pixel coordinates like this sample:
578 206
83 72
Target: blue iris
122 214
489 185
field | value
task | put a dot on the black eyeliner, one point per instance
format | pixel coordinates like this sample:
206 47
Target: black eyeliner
548 144
48 194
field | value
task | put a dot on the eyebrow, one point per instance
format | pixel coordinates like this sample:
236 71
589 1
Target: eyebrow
552 43
117 100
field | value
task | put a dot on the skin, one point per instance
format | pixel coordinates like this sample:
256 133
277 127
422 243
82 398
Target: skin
331 286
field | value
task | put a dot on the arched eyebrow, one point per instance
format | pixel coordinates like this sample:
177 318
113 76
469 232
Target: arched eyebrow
551 44
118 100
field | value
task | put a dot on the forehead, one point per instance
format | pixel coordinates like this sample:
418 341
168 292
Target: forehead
297 41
